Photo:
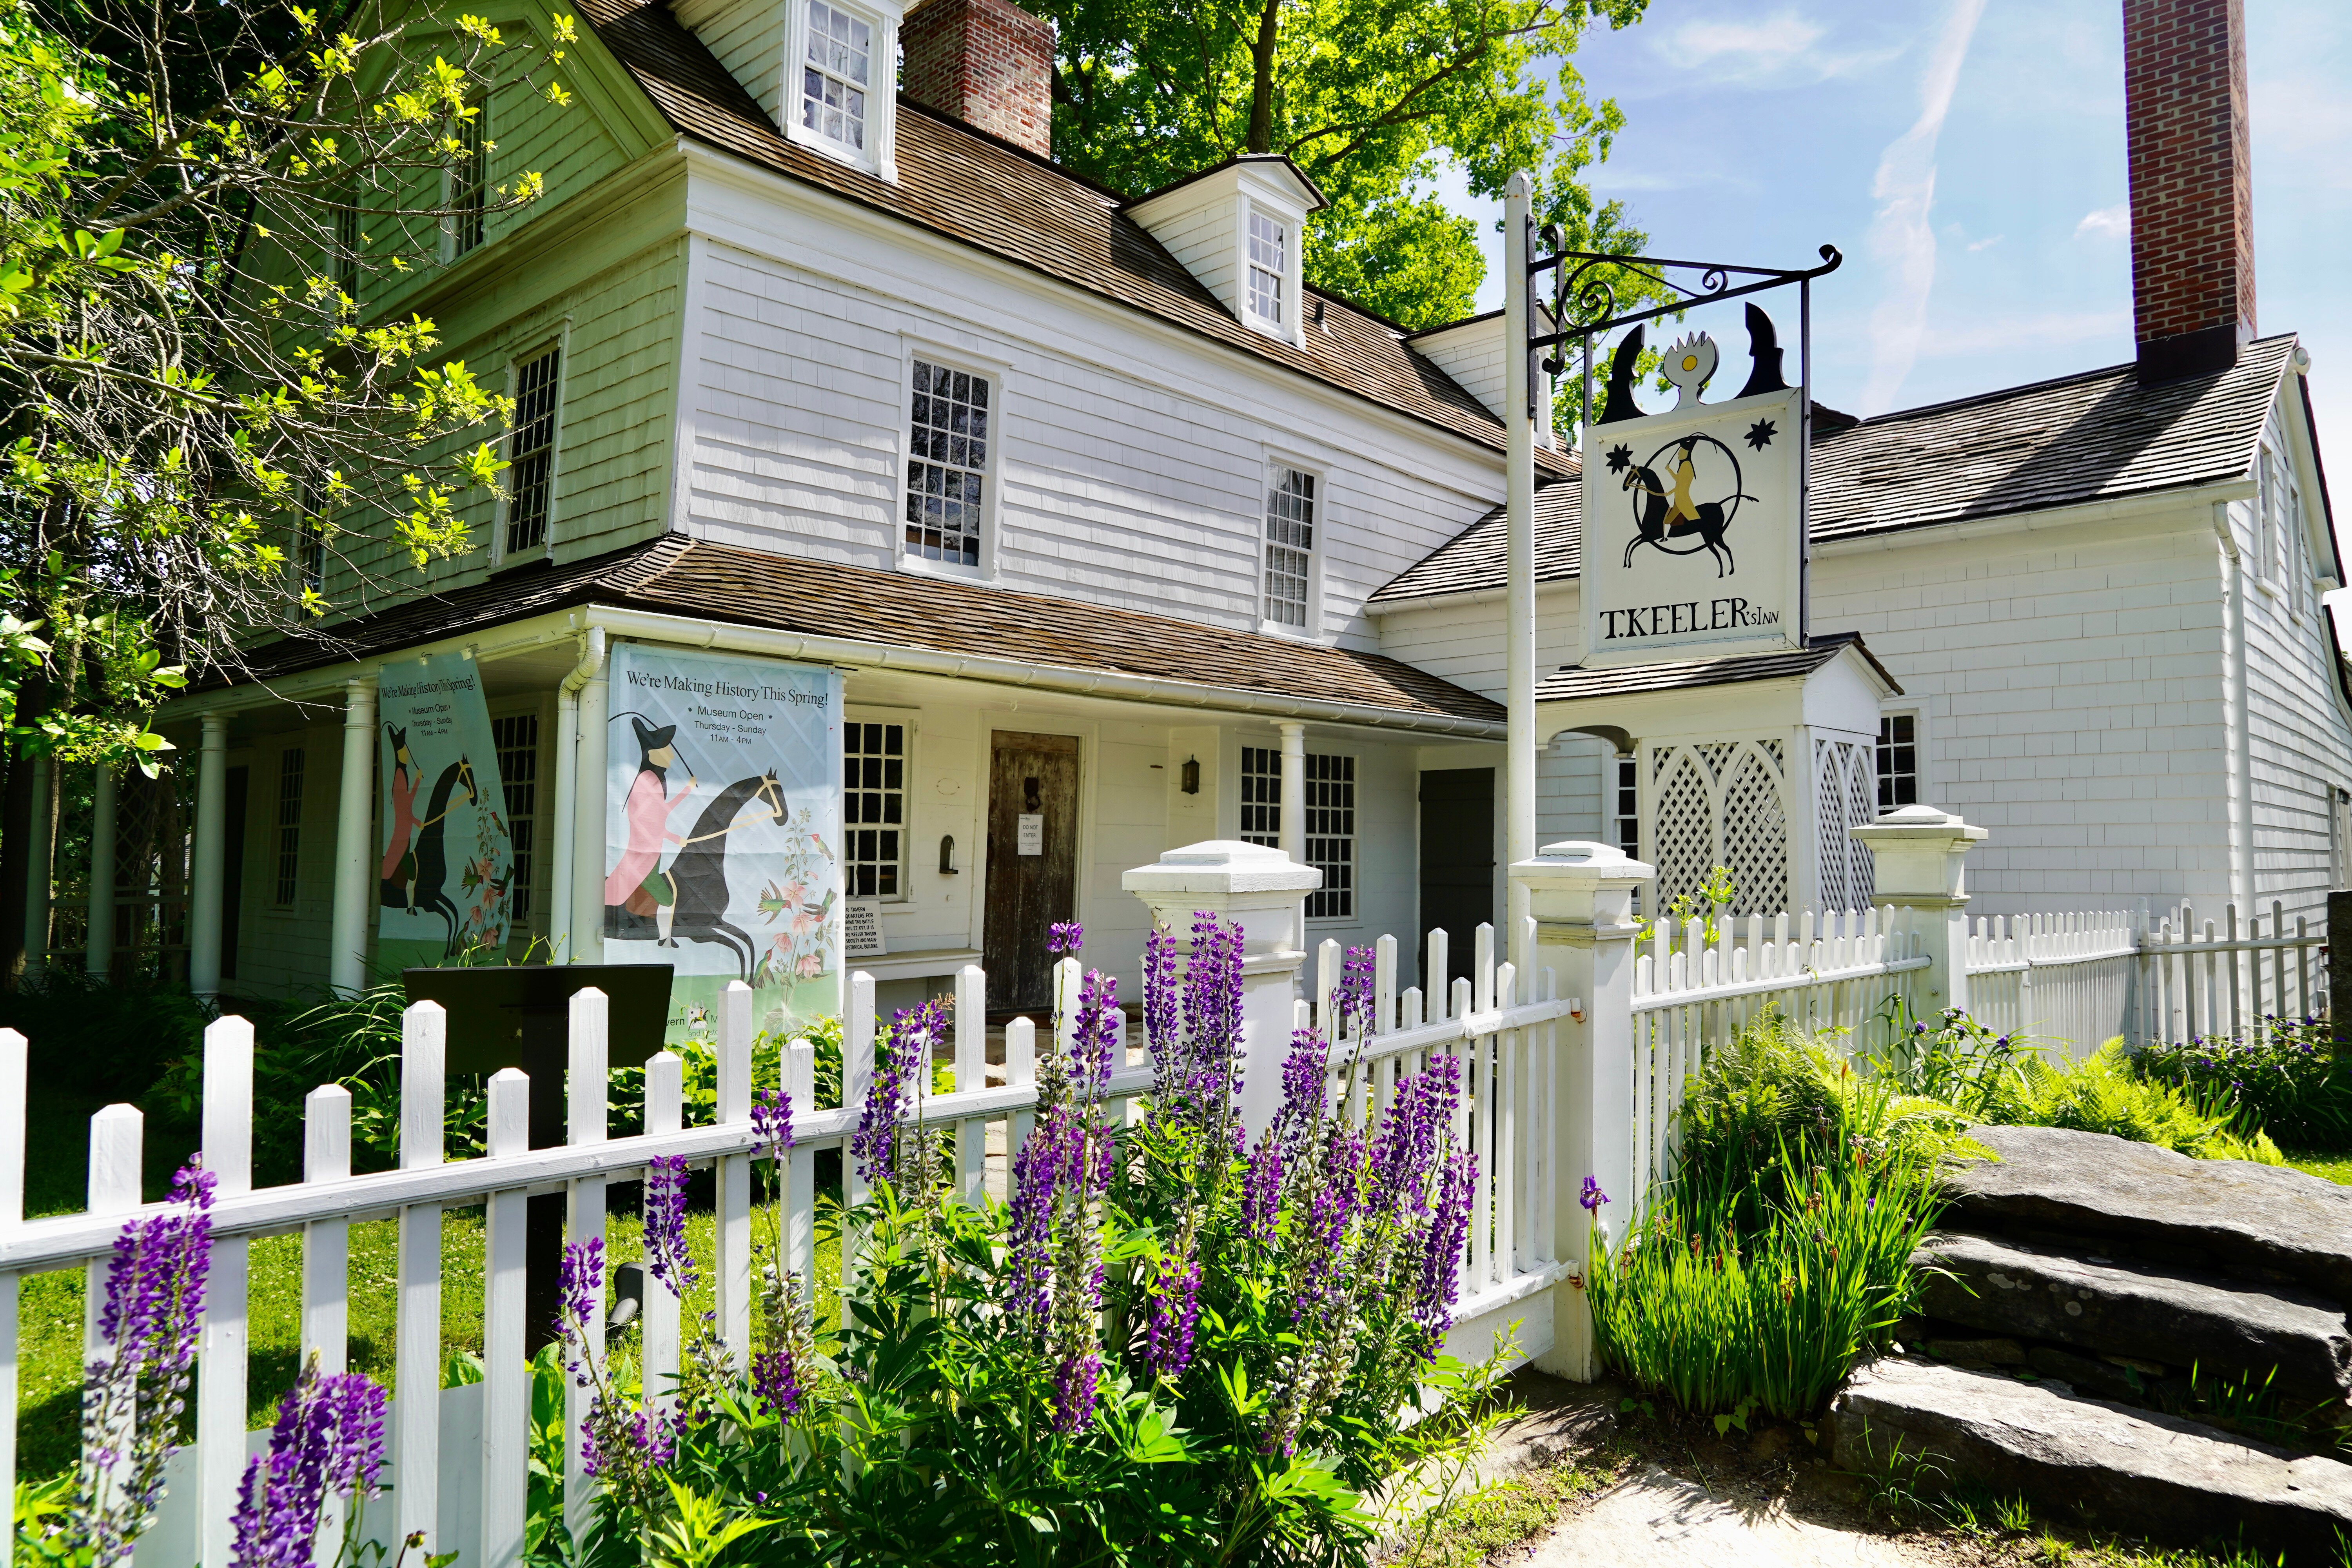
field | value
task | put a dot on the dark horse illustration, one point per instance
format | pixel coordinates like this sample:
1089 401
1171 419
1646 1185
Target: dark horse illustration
427 865
699 872
1668 511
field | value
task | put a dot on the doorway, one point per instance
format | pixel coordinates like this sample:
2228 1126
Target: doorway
1457 869
1032 864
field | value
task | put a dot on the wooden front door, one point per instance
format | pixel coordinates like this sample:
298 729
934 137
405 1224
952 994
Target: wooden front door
1457 867
1033 864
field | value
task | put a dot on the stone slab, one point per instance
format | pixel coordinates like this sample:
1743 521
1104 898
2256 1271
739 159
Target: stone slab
2133 1470
2241 1214
2130 1309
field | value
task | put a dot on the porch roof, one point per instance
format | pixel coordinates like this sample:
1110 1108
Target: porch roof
1575 682
2095 436
690 578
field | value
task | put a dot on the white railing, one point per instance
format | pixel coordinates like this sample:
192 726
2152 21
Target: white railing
2077 981
458 1463
1840 971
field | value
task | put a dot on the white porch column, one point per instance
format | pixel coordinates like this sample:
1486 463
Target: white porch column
1582 896
1922 861
347 946
1264 891
98 953
1519 414
40 867
562 904
206 876
1294 790
588 822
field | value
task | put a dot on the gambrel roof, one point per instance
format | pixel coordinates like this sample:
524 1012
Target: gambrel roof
1010 202
2100 436
676 575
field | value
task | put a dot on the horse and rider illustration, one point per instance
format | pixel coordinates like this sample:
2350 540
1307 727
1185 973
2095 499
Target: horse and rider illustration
687 899
416 870
1665 515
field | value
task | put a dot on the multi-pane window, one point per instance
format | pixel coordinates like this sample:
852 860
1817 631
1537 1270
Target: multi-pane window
1898 760
347 245
309 538
289 826
1331 834
1627 791
517 739
873 810
532 472
834 77
1268 267
1262 797
947 463
1289 547
469 179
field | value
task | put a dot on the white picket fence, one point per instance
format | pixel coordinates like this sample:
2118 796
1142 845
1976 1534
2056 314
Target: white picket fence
457 1464
1691 995
2073 982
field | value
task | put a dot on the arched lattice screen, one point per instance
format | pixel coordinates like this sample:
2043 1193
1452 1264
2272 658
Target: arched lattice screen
1845 783
1721 803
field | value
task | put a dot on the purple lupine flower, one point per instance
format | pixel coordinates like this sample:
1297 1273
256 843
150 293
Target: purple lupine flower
772 1120
1094 1040
1212 1010
1352 1000
1175 1311
1161 1024
328 1441
1065 937
1262 1190
667 1257
1441 1279
914 1035
1073 1392
776 1380
579 1296
1592 1196
1405 1151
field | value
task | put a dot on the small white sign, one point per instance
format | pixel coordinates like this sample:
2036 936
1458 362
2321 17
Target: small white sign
1030 833
861 931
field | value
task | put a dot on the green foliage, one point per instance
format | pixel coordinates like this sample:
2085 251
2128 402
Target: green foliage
2287 1080
1704 903
106 1041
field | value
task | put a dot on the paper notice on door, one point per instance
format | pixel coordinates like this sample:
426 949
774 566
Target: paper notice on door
1030 833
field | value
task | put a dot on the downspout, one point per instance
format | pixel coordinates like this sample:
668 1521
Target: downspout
2240 739
567 790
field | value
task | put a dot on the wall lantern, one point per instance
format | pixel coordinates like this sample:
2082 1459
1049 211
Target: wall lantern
1189 777
946 854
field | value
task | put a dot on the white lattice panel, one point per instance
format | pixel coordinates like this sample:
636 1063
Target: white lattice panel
1756 832
1683 827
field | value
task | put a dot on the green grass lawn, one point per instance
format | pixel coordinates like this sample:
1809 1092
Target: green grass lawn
2335 1165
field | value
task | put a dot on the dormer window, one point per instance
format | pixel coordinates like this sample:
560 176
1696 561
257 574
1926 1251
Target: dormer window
1269 270
835 76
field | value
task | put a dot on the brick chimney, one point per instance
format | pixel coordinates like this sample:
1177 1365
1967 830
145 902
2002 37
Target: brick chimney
987 63
2192 184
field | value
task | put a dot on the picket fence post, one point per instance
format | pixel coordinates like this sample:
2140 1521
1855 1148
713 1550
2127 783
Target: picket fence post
1265 893
1921 857
1581 896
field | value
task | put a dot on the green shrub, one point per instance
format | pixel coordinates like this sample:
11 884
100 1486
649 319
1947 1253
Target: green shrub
105 1042
2287 1081
2100 1094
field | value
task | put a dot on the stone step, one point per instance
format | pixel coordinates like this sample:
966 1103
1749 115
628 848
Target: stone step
2225 1216
2135 1471
2120 1307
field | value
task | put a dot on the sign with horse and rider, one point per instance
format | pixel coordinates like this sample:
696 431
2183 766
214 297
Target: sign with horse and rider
446 865
1692 527
722 830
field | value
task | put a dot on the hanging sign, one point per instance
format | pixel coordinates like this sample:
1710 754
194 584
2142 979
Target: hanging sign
1694 532
444 864
722 830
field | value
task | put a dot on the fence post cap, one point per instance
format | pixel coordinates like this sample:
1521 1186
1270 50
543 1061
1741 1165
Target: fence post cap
1583 861
1917 822
1223 866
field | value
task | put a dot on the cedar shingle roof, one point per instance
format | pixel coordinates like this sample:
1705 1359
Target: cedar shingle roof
2080 438
1570 682
1018 207
680 576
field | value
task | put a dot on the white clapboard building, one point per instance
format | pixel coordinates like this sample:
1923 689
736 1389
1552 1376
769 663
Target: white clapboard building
1120 539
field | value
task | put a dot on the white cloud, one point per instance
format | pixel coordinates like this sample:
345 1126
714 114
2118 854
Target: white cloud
2107 223
1901 237
1777 50
1987 243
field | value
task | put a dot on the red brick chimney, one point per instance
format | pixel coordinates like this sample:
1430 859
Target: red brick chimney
2192 184
986 62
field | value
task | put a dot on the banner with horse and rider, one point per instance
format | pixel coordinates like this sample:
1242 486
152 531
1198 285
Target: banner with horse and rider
722 827
446 864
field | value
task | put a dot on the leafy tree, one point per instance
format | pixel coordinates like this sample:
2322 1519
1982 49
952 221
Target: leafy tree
1370 97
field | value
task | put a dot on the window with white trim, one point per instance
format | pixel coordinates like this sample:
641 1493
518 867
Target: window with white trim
347 240
470 181
289 827
1262 797
516 739
1331 834
836 75
947 463
1269 267
1627 792
1899 759
530 470
1290 548
873 810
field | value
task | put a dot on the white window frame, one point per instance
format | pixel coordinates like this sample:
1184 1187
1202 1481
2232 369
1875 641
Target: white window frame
560 342
1259 835
286 837
1354 838
1918 714
1289 327
1624 777
450 249
1276 465
880 154
992 471
906 719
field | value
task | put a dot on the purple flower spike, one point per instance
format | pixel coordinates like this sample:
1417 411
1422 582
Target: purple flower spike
1097 1031
905 1063
1593 1197
1352 1002
1175 1312
777 1380
772 1120
666 1254
1066 937
328 1440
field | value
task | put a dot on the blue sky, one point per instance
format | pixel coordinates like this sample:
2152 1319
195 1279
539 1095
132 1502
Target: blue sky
1968 157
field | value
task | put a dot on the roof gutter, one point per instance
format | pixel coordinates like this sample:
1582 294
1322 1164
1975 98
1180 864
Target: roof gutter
864 653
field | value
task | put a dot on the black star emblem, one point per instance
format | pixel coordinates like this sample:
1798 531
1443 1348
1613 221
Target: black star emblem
1760 435
1618 458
